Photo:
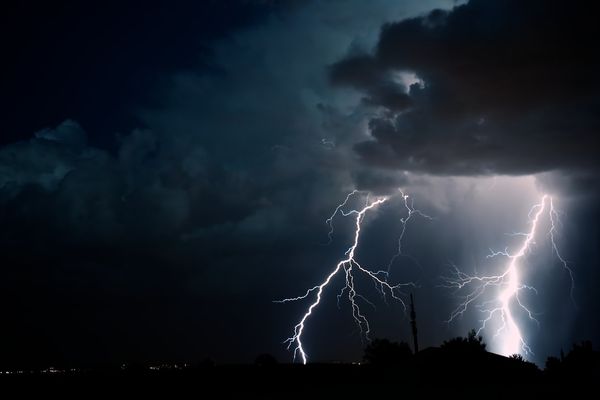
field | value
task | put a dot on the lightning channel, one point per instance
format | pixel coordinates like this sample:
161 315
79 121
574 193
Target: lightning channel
348 267
410 211
508 285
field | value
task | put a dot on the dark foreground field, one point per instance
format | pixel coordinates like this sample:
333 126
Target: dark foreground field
484 376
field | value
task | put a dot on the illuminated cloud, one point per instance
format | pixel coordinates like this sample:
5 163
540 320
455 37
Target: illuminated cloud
507 87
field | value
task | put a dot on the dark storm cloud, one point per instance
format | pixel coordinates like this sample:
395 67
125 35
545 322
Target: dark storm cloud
363 73
510 87
98 62
152 188
377 181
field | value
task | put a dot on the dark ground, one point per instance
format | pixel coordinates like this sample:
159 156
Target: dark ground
430 373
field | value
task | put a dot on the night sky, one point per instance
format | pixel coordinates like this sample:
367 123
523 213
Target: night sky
166 170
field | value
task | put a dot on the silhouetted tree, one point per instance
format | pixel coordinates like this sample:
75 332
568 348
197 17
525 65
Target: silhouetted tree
522 363
553 365
385 352
582 358
471 344
265 359
581 361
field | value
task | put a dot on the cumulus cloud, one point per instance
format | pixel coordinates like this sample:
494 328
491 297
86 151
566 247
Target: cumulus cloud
236 149
44 160
509 88
150 189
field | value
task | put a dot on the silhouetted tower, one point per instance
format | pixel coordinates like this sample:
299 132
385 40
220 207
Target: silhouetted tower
413 324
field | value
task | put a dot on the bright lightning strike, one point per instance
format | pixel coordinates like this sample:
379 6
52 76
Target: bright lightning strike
508 284
349 265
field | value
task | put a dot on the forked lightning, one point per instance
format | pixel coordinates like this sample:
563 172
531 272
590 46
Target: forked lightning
349 265
506 287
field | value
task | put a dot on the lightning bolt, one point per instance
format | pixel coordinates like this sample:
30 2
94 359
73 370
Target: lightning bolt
349 266
329 221
509 284
410 211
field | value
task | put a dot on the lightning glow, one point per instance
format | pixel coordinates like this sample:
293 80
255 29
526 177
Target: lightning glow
349 265
508 285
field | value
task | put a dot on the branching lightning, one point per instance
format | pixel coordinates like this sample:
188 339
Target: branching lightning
349 265
411 210
508 285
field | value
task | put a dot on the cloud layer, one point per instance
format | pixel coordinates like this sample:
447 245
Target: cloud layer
509 87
